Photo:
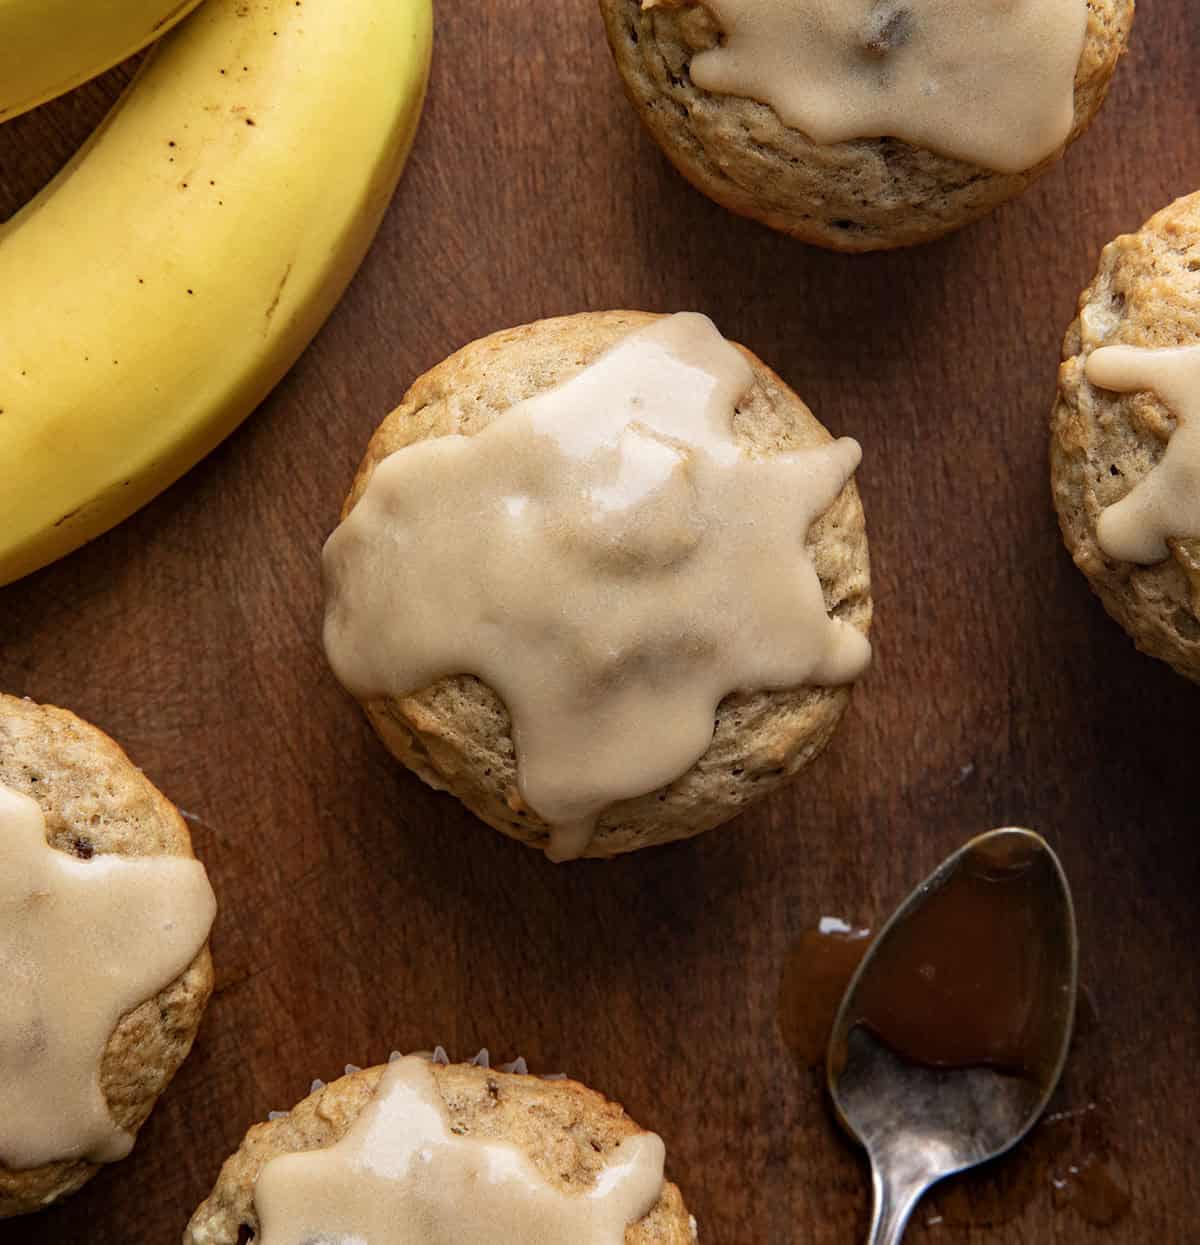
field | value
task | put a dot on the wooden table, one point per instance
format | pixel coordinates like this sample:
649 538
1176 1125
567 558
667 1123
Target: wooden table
360 912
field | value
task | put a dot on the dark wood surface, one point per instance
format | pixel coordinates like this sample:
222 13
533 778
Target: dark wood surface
360 912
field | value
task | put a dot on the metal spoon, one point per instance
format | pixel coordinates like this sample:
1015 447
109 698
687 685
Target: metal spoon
954 1030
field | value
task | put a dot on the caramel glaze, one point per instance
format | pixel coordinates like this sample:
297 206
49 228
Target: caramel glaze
404 1175
992 83
1165 504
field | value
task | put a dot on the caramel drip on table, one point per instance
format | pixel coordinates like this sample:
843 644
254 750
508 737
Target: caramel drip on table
400 1176
82 942
1165 504
815 976
609 558
988 81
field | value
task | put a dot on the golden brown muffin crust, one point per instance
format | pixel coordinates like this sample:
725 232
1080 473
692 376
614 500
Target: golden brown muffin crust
864 195
567 1130
457 734
96 801
1145 293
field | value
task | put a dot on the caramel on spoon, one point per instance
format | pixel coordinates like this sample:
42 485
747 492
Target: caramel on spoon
954 1030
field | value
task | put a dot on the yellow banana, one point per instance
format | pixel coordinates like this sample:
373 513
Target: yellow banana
157 289
49 46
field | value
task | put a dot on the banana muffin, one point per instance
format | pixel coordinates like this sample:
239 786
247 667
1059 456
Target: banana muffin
89 819
872 170
555 1140
1108 444
457 732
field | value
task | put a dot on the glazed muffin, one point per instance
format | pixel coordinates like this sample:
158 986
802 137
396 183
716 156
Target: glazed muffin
457 734
1105 444
96 807
570 1135
863 193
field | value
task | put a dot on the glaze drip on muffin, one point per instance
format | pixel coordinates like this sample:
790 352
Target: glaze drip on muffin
609 558
1165 504
82 942
400 1176
991 82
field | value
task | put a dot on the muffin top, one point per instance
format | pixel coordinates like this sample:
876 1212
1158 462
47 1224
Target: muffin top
872 124
111 915
993 84
624 556
558 1149
1122 429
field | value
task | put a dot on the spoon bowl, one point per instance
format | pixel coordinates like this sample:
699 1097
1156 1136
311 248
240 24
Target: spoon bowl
954 1030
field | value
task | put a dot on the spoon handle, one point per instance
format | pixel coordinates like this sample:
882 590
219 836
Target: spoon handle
895 1201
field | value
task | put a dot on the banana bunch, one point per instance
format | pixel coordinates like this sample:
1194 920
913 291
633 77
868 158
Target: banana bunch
49 46
161 285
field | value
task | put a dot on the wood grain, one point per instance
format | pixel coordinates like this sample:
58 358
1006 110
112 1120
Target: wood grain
361 912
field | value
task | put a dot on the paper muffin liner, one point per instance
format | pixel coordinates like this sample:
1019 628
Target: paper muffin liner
482 1059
